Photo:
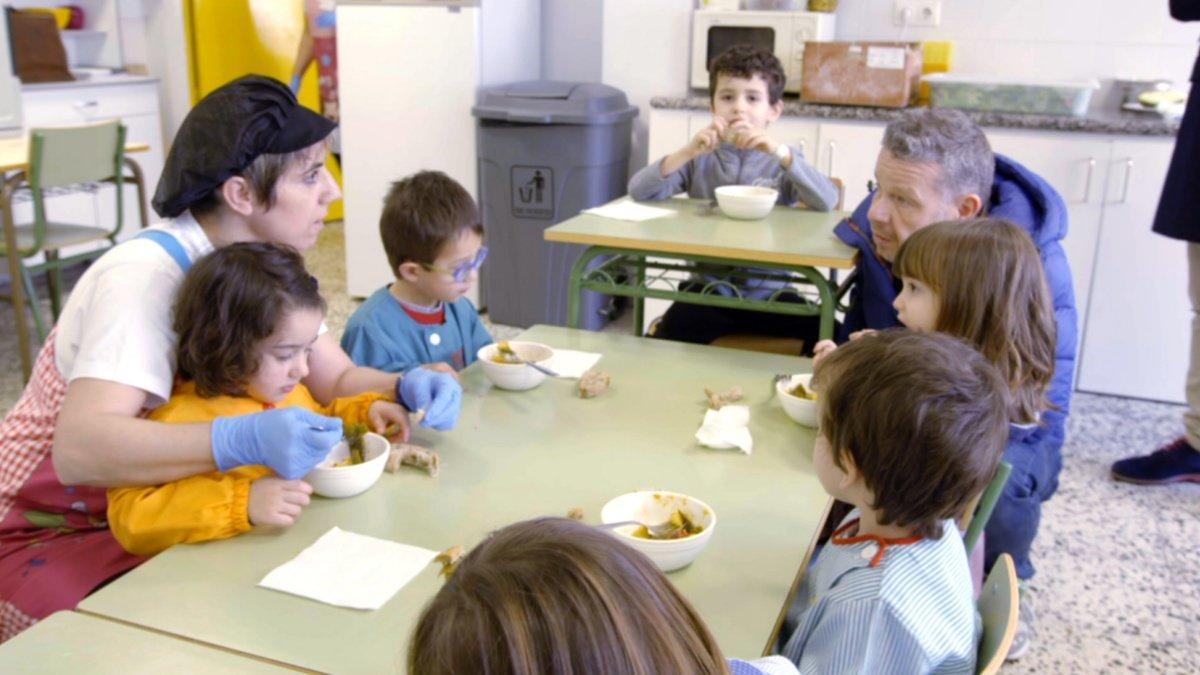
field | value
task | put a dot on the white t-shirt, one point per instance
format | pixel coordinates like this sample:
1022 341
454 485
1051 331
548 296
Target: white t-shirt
116 325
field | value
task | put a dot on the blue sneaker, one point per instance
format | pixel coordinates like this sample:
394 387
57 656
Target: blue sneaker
1173 463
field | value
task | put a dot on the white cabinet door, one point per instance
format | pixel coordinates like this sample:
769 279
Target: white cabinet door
797 132
668 132
1138 332
847 151
1075 164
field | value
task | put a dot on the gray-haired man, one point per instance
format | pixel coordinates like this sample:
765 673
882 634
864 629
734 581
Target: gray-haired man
937 165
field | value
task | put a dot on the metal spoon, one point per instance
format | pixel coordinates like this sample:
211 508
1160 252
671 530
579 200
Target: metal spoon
511 355
663 530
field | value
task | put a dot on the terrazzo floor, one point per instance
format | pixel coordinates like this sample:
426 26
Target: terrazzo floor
1118 584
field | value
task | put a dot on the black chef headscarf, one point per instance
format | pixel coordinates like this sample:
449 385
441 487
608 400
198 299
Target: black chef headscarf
226 131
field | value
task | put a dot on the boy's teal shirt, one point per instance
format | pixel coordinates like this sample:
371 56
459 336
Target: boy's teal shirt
381 335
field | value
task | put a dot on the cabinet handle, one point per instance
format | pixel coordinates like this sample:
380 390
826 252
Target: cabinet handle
87 104
801 145
832 148
1087 185
1128 173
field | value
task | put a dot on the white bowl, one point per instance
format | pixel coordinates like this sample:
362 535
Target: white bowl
746 202
656 506
515 376
346 481
803 410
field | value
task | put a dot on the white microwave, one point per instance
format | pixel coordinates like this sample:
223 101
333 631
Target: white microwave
781 33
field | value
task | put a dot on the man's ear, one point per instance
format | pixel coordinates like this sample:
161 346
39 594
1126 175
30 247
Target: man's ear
408 271
237 195
969 206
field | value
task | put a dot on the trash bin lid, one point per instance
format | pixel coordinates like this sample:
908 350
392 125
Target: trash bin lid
553 102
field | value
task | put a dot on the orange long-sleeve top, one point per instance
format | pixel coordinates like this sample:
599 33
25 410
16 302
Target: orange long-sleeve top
148 519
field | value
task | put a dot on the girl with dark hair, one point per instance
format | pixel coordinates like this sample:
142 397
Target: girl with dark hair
553 597
247 317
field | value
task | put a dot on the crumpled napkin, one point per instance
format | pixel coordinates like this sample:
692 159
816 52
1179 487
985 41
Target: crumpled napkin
627 209
569 363
349 570
727 428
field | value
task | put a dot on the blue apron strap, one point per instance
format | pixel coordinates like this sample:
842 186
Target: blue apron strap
169 244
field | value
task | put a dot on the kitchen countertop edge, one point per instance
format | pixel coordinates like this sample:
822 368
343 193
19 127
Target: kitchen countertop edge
1096 122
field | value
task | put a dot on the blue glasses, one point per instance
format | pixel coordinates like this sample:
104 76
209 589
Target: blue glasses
462 270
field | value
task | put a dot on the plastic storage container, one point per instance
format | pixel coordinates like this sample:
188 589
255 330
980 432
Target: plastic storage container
997 94
547 150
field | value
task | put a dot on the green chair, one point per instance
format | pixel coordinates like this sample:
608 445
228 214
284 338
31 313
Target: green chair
62 157
998 609
972 526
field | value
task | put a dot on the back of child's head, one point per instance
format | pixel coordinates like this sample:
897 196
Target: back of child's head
553 596
992 292
745 61
421 214
229 302
922 416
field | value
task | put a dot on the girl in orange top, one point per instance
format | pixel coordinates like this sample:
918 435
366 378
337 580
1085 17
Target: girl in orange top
247 316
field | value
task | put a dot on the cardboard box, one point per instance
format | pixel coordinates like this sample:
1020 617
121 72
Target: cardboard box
880 74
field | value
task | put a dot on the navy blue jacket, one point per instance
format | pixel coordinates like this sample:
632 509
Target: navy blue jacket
1180 202
1026 199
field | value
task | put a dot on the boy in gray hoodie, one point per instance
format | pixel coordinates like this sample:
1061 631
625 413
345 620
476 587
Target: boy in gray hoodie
746 90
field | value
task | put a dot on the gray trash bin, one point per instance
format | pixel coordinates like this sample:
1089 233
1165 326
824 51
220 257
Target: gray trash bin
547 150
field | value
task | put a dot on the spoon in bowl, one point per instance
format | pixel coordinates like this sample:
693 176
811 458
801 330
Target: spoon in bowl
511 356
664 530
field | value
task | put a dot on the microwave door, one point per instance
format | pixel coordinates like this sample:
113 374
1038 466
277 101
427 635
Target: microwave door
721 38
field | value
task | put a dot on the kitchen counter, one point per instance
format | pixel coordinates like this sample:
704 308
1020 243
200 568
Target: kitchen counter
1096 122
107 80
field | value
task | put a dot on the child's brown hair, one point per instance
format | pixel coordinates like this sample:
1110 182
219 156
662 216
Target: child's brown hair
746 61
421 214
992 292
553 596
231 300
922 416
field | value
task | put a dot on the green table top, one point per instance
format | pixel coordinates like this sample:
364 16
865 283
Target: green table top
788 236
514 456
70 642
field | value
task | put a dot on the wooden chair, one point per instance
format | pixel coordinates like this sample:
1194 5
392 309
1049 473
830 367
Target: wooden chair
998 604
769 343
61 157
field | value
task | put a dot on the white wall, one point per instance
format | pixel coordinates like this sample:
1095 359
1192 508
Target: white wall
1057 39
645 54
571 40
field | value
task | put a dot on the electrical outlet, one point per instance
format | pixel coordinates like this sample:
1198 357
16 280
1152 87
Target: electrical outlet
917 12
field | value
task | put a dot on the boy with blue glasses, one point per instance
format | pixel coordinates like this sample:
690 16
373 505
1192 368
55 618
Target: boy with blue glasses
433 238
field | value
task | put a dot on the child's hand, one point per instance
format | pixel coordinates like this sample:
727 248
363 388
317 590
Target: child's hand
442 367
745 137
707 139
383 415
822 349
859 333
277 502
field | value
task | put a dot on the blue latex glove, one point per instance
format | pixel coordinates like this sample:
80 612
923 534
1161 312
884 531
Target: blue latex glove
438 394
296 84
289 440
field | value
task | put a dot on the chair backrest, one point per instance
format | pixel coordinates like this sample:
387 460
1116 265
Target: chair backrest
977 518
60 156
998 610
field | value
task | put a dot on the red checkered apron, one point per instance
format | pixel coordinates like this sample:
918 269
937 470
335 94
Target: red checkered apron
55 546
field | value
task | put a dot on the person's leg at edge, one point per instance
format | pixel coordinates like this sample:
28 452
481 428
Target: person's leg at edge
1178 460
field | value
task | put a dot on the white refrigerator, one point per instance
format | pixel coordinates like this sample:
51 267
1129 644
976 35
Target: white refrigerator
407 76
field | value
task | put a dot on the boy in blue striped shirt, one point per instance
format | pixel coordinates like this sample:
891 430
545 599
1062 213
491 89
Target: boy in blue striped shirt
912 426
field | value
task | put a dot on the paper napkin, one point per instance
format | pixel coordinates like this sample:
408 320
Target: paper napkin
727 428
349 570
